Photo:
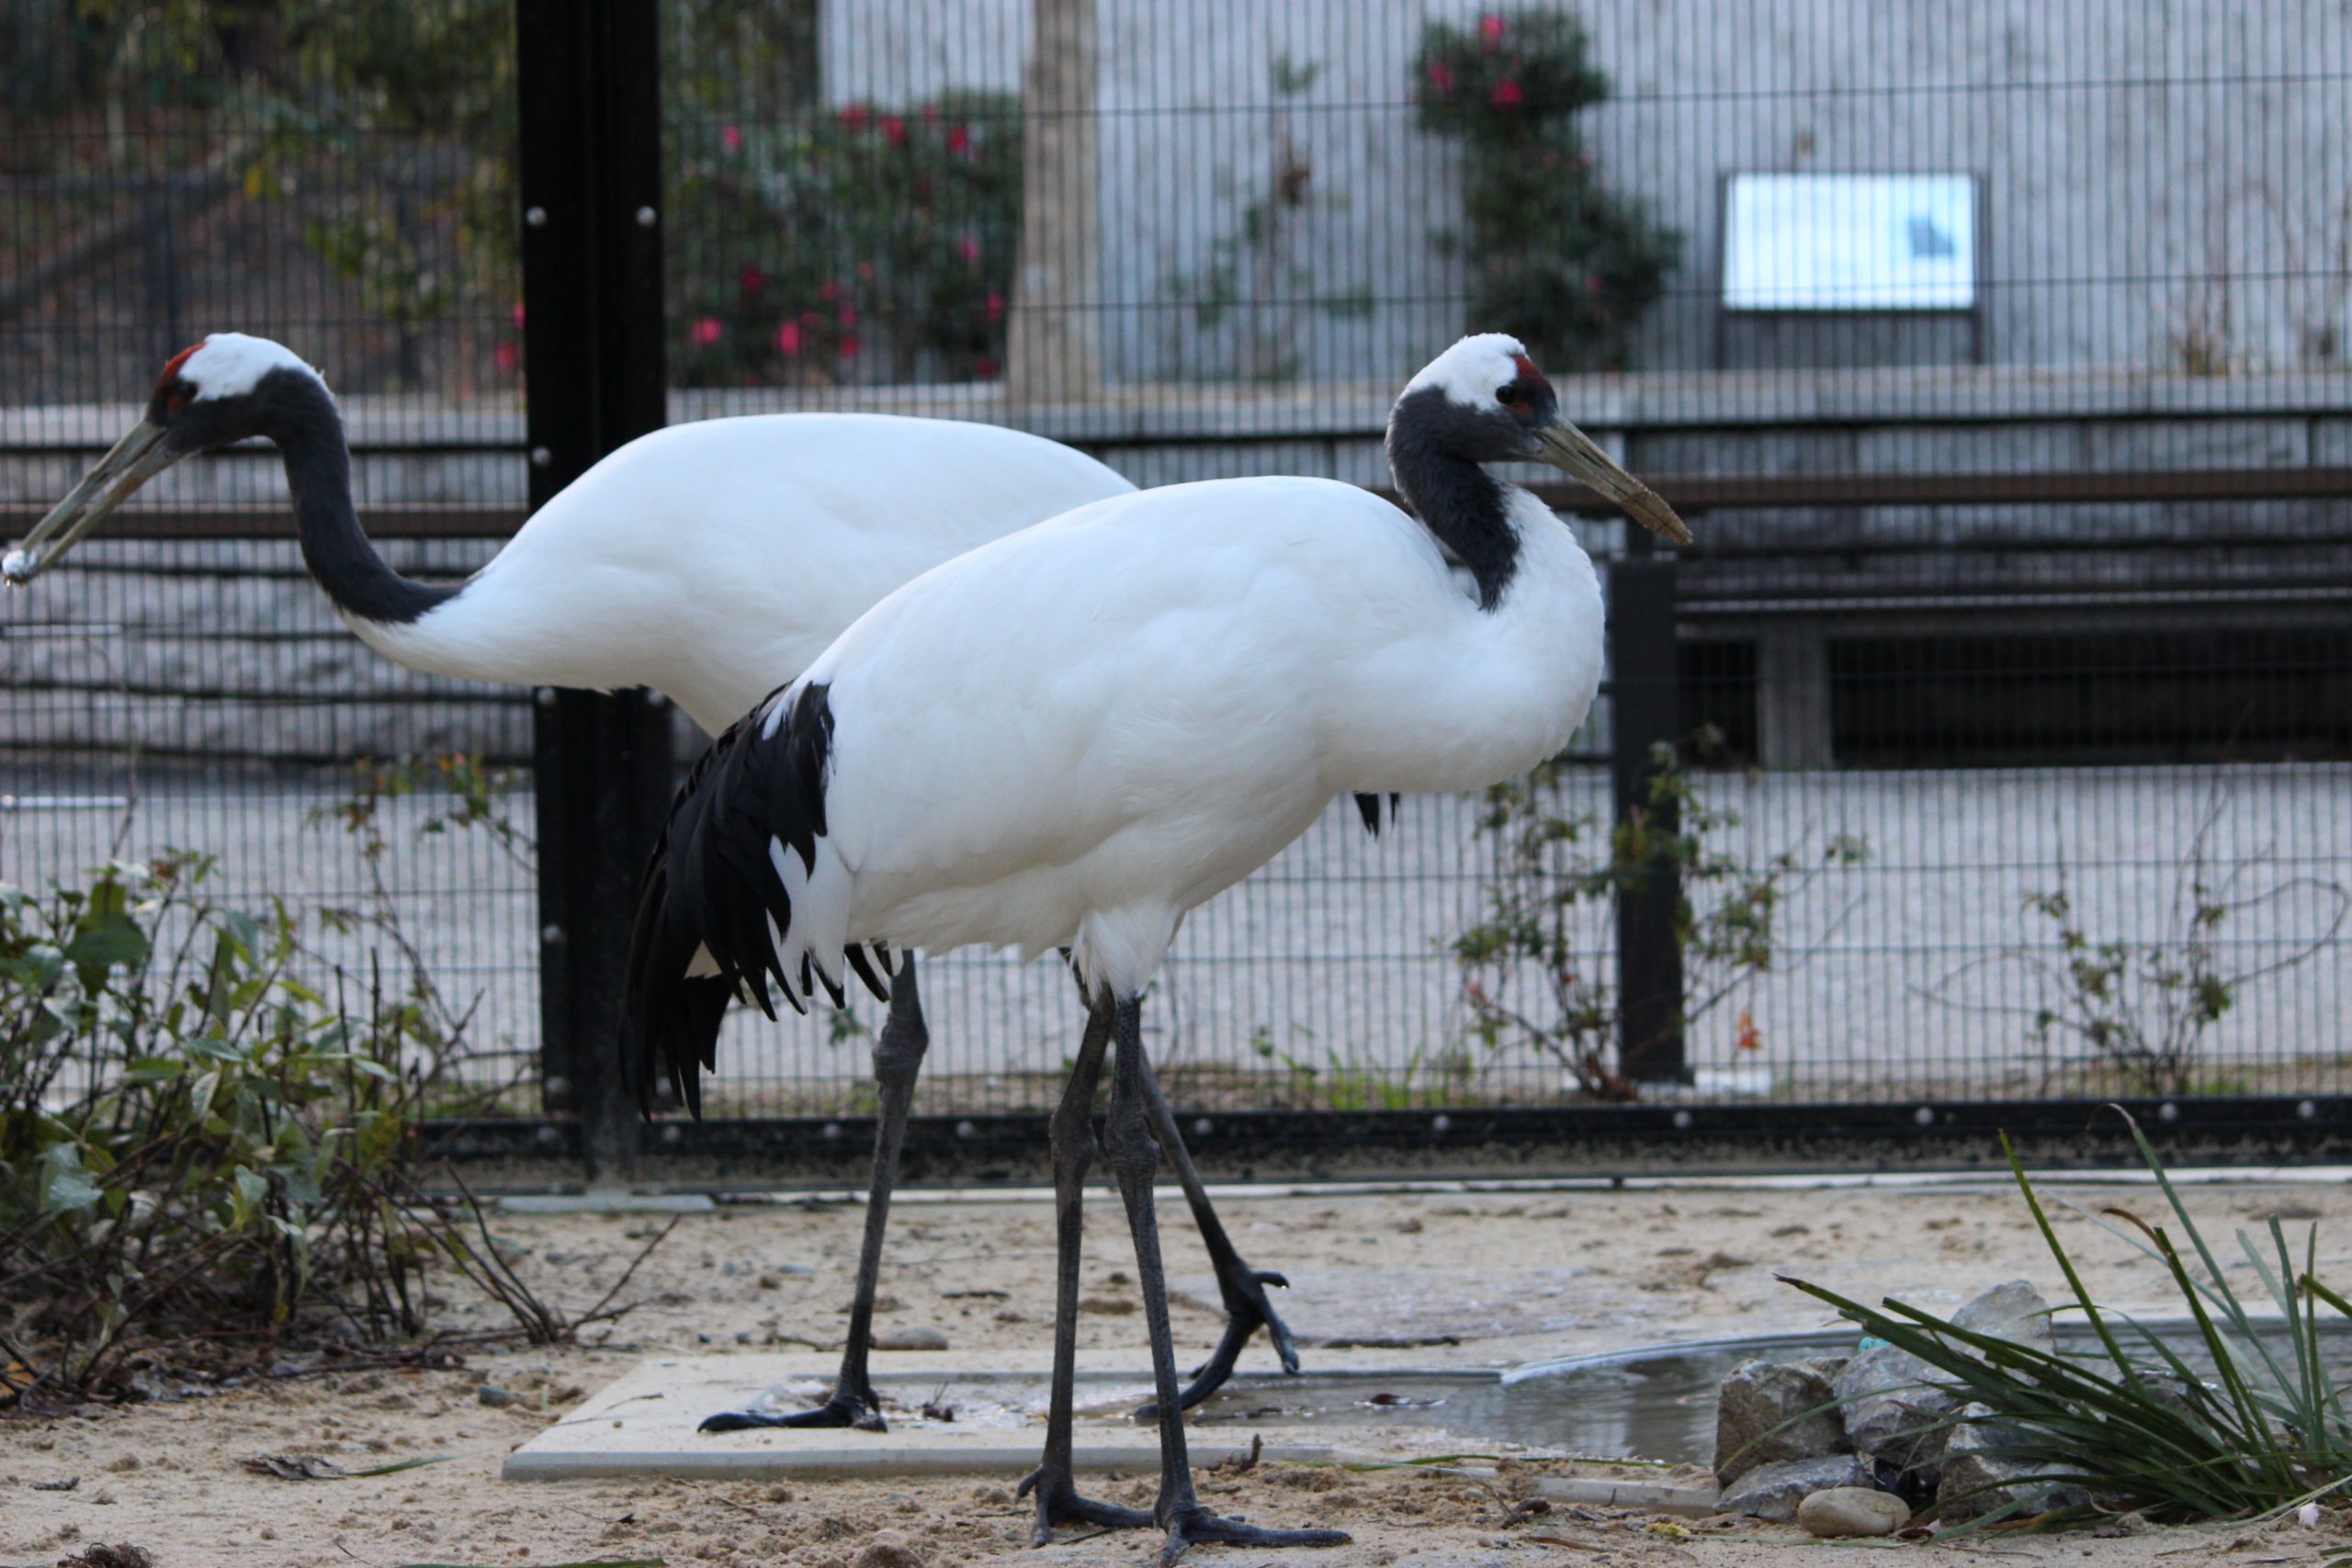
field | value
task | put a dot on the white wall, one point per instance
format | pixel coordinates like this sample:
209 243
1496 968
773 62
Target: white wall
2160 172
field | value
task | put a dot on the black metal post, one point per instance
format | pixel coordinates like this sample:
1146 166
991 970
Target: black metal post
591 185
1645 718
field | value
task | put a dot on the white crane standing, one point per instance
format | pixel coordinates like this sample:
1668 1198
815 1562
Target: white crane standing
710 561
1073 736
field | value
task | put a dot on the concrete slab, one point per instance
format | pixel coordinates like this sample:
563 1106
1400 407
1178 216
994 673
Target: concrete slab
1400 1308
613 1202
644 1423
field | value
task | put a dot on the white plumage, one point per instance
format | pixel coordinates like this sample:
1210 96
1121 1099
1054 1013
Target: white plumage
1074 735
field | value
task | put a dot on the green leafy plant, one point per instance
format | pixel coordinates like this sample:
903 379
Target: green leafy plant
2260 1427
826 242
1534 972
2145 1008
1555 256
1256 273
200 1150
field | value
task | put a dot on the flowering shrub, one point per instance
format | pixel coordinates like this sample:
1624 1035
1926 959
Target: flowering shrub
859 244
1556 257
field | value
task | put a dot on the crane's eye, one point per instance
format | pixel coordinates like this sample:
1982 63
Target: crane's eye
1513 396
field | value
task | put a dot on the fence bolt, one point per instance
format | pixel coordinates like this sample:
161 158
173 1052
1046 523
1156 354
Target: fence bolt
541 457
645 218
966 1130
1925 1116
2306 1110
546 696
1682 1120
557 1085
1441 1124
1202 1126
2167 1111
671 1132
536 216
551 934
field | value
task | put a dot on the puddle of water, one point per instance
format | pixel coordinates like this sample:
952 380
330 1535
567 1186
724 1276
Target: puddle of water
1656 1403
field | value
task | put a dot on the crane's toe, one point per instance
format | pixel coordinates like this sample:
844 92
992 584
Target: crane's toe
1059 1503
841 1411
1196 1526
1247 1310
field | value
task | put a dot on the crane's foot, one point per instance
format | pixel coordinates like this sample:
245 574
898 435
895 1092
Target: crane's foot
1059 1503
842 1410
1196 1526
1247 1310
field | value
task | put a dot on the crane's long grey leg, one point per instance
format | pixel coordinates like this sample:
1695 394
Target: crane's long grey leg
898 1060
1073 1145
1135 1159
1242 1287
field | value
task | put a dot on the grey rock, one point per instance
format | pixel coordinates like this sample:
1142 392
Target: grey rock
1894 1408
1773 1491
496 1397
1843 1511
914 1337
1755 1402
2011 1311
1982 1468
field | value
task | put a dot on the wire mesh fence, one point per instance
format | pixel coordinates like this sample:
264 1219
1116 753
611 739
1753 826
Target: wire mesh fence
1997 352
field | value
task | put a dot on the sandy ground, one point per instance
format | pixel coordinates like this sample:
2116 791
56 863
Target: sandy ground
1687 1262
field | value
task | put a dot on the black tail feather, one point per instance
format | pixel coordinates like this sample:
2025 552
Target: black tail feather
1368 808
710 889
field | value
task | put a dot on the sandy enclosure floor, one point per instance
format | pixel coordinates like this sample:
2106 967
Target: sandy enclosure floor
1639 1267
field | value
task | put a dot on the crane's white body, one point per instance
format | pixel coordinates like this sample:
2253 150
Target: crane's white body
715 561
1076 734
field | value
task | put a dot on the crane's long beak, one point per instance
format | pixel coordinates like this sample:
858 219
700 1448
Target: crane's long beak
1572 451
136 459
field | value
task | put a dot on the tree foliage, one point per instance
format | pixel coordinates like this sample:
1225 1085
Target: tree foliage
1556 257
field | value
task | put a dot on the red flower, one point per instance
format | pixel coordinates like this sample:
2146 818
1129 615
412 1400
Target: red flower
1750 1038
866 270
518 315
847 347
847 316
828 291
508 357
992 308
959 140
970 249
706 331
984 369
854 117
787 338
1491 29
1507 95
1440 77
753 280
894 130
731 138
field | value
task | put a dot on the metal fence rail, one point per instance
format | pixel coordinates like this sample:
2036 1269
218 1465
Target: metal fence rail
2009 678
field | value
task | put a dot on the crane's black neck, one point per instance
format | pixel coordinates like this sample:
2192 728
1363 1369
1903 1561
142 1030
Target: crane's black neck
299 415
1435 449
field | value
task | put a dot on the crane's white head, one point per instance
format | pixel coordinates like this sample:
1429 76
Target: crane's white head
1483 401
223 389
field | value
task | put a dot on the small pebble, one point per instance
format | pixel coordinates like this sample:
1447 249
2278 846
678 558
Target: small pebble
913 1337
496 1397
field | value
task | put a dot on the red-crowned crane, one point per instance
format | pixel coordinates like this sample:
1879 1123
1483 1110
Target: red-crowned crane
710 561
1071 736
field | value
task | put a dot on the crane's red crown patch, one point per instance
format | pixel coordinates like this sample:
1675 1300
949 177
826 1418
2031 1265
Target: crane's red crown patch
172 370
